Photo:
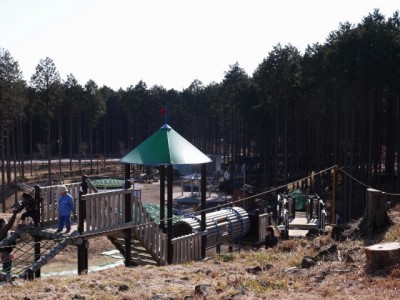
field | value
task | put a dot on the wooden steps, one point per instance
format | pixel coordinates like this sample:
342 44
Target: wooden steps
140 255
300 222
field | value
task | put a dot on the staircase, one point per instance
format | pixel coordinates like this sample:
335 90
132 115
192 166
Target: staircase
300 222
300 226
140 255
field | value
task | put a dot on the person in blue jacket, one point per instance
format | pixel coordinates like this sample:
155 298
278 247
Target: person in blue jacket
65 207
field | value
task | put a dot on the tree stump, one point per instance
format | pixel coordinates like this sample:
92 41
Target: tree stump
381 255
375 217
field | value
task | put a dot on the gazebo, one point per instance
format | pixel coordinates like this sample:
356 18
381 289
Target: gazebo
164 149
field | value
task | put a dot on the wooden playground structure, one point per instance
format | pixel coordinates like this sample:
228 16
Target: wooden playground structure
121 217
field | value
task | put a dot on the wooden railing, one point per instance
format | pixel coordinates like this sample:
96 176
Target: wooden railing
315 210
187 248
149 233
49 211
105 211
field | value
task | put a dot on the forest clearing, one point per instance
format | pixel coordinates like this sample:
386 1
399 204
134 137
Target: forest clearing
324 121
299 268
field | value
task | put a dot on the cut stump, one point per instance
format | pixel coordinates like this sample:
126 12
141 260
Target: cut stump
375 217
383 254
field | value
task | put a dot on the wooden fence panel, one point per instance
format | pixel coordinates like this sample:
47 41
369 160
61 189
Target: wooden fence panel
187 248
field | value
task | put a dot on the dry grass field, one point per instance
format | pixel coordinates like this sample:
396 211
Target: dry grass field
339 271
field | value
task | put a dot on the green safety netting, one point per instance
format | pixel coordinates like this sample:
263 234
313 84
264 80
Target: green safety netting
108 183
154 211
300 198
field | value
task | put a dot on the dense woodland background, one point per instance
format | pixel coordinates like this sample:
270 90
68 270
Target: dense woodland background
338 103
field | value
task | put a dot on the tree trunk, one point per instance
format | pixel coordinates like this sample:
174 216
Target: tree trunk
49 149
91 147
21 147
375 218
8 159
70 141
3 178
31 141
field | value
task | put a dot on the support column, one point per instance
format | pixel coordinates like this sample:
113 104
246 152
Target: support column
37 254
81 213
128 218
162 197
83 257
84 185
257 228
169 214
127 171
203 187
82 205
37 195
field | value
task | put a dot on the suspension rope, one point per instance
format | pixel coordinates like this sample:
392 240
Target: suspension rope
364 184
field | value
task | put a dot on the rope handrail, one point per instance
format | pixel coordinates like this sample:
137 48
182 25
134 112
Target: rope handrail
364 184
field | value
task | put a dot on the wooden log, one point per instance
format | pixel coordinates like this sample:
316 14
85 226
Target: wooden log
383 255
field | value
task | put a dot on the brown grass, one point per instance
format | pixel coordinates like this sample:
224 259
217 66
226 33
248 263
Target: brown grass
343 276
281 277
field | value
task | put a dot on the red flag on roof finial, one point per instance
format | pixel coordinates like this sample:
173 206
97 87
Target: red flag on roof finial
163 112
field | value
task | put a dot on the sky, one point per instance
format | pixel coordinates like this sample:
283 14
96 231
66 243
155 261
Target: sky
166 42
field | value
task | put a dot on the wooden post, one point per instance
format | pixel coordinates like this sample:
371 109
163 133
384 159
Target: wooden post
334 189
127 171
169 214
82 205
81 213
83 261
128 231
162 197
37 254
257 227
203 209
38 197
29 275
84 185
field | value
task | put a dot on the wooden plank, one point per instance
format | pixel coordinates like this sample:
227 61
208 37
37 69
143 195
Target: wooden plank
47 198
99 208
106 212
118 213
123 211
111 193
113 210
88 216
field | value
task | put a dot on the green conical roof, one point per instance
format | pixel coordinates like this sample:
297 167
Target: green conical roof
165 147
